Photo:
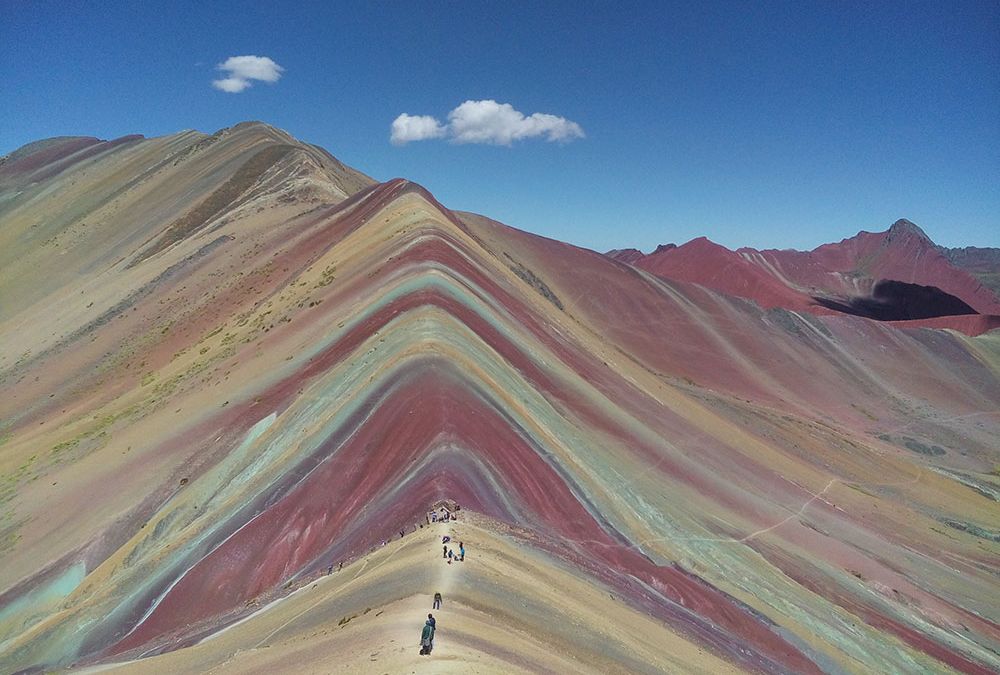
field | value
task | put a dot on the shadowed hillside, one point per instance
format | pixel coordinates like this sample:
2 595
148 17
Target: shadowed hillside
900 301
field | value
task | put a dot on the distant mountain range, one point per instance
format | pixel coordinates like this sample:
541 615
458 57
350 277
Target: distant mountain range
899 274
982 263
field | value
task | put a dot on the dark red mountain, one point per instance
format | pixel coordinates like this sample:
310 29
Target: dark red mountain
839 277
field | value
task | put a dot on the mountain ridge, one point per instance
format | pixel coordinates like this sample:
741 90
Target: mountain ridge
832 276
199 428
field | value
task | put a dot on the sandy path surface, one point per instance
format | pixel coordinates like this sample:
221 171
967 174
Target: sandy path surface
507 608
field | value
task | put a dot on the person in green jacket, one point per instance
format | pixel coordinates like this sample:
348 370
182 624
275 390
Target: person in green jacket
427 638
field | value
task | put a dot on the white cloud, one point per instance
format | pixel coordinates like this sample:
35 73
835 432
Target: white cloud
485 122
499 124
242 70
406 128
232 85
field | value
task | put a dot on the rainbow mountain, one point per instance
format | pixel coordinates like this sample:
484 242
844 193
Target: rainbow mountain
232 363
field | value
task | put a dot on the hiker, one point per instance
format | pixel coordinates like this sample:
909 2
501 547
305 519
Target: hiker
401 533
444 551
445 539
461 552
451 554
433 622
427 638
329 570
437 601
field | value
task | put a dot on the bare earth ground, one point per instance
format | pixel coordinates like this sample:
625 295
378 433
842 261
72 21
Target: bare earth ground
227 364
507 608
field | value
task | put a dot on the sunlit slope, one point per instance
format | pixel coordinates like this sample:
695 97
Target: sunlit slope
222 402
72 215
508 608
831 277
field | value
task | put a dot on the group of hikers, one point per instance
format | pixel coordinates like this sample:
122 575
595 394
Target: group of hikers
449 554
427 634
440 516
443 511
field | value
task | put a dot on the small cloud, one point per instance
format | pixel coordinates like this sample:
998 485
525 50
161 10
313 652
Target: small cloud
406 128
500 124
232 85
485 122
242 70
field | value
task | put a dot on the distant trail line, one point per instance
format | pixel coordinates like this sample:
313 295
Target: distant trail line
753 535
798 513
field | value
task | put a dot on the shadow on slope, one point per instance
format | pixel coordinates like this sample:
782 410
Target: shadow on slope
899 301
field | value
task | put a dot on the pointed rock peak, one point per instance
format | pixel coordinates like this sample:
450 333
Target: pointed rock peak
704 244
664 247
905 228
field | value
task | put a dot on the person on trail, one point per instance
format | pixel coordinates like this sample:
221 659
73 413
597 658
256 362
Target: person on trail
445 539
444 551
329 570
451 555
433 622
437 601
427 638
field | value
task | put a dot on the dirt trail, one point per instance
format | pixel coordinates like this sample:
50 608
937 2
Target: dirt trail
507 608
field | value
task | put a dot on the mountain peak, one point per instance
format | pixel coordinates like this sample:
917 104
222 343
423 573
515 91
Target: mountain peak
904 227
270 355
704 244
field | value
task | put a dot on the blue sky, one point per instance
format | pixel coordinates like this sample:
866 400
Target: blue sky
785 124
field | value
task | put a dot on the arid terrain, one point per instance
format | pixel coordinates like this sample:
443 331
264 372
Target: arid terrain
230 362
